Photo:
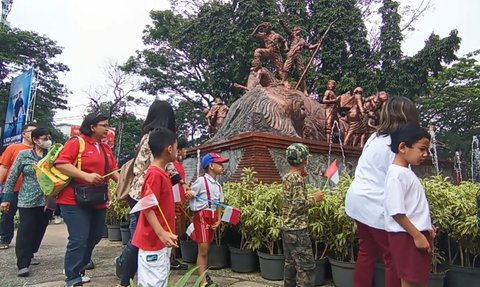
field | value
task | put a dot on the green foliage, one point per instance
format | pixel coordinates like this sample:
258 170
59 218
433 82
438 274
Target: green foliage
330 225
190 122
260 205
454 211
21 50
119 211
182 282
451 103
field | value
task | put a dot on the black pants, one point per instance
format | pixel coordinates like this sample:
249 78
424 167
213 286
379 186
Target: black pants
7 221
129 257
32 227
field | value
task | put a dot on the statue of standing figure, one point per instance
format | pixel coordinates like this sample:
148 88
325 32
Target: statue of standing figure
216 115
356 127
272 48
331 108
294 56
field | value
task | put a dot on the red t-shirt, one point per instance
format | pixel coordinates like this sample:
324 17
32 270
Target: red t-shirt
8 159
157 181
93 161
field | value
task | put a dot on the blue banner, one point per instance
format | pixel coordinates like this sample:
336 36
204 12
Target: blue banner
17 108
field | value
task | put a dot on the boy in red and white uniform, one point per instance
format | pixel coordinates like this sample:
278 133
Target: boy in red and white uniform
154 235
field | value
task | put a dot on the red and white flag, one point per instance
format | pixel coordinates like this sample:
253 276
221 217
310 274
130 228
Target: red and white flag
178 193
191 231
145 202
231 215
332 172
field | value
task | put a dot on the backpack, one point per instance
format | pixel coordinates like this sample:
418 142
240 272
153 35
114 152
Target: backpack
50 179
125 180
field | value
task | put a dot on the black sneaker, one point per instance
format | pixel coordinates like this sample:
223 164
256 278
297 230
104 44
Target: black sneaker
118 268
90 265
177 265
210 282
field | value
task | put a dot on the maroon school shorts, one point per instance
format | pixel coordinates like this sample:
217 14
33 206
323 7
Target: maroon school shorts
412 264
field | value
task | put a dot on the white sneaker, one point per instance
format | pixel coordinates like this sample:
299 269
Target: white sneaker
85 279
58 220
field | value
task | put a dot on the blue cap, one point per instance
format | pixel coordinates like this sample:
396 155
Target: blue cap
211 158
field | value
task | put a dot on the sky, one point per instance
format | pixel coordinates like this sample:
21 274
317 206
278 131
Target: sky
94 32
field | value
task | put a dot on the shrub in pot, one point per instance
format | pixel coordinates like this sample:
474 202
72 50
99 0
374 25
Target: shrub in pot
340 236
240 195
115 215
463 235
265 219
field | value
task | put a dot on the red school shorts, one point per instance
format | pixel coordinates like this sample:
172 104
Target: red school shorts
412 264
203 221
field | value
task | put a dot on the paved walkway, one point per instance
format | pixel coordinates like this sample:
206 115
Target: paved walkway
51 254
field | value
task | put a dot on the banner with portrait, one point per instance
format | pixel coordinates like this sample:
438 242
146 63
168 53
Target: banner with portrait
17 107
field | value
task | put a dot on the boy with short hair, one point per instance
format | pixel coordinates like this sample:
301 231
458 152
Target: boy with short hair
299 267
206 214
152 235
407 214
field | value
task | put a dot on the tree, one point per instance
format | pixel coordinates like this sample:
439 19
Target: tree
451 103
191 122
20 50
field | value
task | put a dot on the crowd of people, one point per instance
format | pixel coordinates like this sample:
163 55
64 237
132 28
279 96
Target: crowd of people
385 199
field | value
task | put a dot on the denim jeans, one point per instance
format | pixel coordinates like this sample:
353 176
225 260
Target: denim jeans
7 224
85 229
128 260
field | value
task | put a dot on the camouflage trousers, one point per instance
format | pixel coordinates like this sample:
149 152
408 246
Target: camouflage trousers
299 267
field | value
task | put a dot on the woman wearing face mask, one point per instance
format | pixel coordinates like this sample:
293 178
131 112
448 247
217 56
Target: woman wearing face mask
34 217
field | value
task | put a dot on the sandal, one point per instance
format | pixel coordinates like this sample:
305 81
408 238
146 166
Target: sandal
4 246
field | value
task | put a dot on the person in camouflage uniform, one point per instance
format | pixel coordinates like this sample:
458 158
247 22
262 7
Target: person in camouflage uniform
299 262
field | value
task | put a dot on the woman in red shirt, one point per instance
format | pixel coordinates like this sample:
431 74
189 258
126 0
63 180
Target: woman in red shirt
85 222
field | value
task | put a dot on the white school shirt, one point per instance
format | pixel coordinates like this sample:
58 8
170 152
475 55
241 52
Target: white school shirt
364 199
199 190
404 194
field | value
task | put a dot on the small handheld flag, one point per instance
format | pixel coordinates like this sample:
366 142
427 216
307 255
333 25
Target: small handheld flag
332 174
231 215
150 201
191 231
144 203
178 193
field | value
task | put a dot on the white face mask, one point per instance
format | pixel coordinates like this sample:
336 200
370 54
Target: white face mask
45 144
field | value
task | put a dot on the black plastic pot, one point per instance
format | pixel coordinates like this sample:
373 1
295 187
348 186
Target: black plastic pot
342 273
320 271
125 233
114 233
436 280
243 260
271 266
462 277
105 231
189 251
218 256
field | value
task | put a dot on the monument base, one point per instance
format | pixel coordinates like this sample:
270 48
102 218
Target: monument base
265 153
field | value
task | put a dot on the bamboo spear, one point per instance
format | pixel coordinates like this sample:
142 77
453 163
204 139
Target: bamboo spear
319 45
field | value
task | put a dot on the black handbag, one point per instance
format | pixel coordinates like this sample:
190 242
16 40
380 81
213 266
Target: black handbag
91 195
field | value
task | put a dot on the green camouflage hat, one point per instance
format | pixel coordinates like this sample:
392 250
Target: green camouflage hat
297 153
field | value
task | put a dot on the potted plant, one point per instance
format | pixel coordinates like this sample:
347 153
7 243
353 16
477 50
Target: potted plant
463 236
240 195
440 196
340 236
116 214
266 216
320 229
218 256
